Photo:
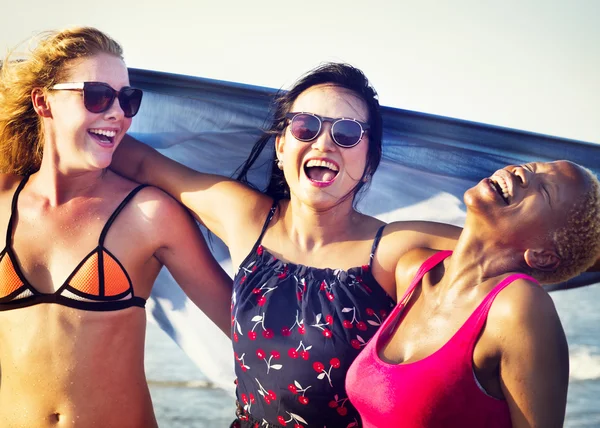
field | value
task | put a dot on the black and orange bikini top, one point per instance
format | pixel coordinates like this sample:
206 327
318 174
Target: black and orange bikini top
98 283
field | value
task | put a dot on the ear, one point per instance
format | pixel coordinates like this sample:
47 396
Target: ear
542 259
39 99
279 144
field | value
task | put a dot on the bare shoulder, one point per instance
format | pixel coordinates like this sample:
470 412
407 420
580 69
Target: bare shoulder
525 313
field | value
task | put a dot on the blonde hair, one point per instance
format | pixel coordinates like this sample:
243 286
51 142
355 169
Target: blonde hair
578 241
21 132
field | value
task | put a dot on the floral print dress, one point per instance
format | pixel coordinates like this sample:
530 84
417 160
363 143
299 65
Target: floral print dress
296 330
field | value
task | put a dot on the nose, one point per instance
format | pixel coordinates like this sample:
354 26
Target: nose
523 174
114 112
324 141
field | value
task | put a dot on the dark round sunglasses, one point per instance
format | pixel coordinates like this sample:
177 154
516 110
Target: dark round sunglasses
99 96
345 132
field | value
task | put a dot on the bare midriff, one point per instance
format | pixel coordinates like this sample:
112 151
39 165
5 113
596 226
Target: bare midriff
64 367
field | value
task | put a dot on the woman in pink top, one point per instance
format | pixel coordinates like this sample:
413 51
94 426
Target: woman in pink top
474 341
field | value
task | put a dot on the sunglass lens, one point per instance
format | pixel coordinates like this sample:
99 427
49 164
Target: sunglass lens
130 100
305 127
97 98
347 133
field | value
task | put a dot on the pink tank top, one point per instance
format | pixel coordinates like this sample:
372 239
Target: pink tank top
438 391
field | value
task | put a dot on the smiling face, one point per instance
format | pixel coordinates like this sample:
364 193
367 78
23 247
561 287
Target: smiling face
85 140
319 172
525 204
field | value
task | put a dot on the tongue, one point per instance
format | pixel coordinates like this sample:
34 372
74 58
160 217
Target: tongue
319 173
102 138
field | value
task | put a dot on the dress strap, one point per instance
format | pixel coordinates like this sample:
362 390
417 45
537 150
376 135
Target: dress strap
427 265
265 225
375 245
114 215
13 210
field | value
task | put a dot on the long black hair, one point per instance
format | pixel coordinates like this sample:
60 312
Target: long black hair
338 74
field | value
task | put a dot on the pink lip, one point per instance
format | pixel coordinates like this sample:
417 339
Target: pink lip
321 183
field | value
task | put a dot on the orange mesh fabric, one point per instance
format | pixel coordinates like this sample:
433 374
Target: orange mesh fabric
115 281
9 280
86 278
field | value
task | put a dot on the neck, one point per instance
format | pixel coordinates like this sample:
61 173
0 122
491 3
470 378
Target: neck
478 258
58 183
311 229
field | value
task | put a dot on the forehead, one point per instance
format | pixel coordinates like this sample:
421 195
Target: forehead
331 101
98 68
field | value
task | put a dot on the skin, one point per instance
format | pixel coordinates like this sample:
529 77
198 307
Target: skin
73 368
313 228
521 355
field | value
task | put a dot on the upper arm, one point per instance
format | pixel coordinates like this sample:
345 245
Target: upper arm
534 357
220 203
182 249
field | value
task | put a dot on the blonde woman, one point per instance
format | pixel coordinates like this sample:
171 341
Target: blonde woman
83 245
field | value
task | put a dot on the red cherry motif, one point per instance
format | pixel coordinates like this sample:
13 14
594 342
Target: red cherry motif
323 285
347 324
260 353
335 363
329 319
244 398
272 395
252 335
275 354
361 325
242 279
330 296
293 353
281 420
383 313
235 337
298 426
365 268
254 268
267 399
303 400
285 332
268 333
370 311
261 300
259 250
252 398
305 355
299 295
293 389
333 404
342 411
327 333
318 366
301 329
256 290
243 368
283 274
355 344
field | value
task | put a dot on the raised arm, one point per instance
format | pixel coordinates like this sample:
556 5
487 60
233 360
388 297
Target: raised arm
534 362
181 248
223 205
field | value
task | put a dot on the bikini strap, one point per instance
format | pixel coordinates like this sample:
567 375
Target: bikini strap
427 265
114 215
265 225
375 245
13 210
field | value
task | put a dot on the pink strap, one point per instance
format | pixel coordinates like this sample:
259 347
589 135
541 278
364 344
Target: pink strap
427 265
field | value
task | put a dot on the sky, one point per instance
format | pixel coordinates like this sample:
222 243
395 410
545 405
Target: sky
532 65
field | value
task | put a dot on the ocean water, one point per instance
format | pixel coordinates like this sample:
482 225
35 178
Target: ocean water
184 399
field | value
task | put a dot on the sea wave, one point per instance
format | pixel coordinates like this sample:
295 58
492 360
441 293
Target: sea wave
585 363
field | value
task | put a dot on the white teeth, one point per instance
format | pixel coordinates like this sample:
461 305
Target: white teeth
103 132
502 183
322 163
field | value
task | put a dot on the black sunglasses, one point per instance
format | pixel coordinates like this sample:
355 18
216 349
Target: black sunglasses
345 132
99 96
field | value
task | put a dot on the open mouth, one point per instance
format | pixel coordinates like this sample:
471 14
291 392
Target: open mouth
499 185
102 135
321 171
